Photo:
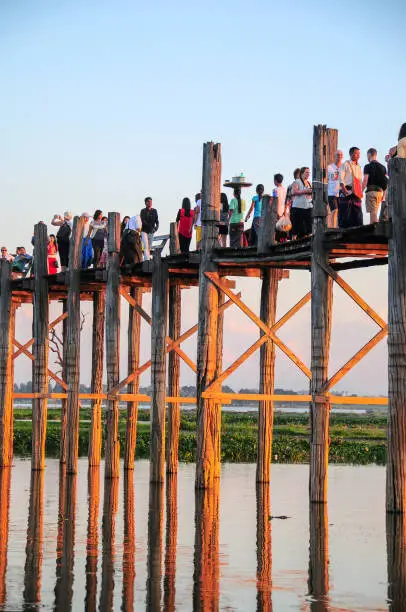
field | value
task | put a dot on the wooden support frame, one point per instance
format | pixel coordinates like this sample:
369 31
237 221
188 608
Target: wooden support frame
23 347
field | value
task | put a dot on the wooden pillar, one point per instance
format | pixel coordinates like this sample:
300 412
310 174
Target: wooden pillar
66 549
158 367
206 593
134 335
129 543
5 480
34 553
40 346
264 548
73 348
112 447
207 413
318 557
219 368
171 542
321 311
6 365
95 437
64 402
110 507
269 294
175 301
396 559
92 541
396 462
155 539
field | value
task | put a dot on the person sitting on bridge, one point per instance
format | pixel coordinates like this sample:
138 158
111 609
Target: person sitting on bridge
131 243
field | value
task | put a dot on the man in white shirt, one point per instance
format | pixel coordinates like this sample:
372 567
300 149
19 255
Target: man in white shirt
349 205
333 176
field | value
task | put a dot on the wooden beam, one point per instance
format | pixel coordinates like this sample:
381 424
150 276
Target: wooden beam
6 365
30 356
31 342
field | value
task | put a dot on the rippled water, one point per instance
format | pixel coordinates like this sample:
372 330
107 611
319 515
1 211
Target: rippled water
70 543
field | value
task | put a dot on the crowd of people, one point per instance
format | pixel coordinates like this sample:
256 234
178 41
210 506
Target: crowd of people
347 185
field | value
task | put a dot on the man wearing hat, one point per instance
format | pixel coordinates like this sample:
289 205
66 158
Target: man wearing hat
63 236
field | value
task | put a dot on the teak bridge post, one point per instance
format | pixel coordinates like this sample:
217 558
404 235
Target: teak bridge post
6 365
208 426
95 438
134 331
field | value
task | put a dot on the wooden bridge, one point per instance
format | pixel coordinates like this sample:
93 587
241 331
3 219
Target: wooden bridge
326 253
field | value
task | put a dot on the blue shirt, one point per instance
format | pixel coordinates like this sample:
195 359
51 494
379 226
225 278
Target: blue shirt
257 206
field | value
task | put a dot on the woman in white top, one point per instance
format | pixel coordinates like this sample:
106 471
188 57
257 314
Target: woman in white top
301 210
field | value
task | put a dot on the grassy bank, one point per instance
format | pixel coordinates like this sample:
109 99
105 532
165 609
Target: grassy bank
358 439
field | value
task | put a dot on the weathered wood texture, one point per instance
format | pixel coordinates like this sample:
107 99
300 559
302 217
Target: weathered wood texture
173 379
6 365
112 448
40 346
129 543
206 592
95 436
321 316
396 559
158 367
64 402
396 461
269 217
318 558
134 336
5 480
207 430
264 549
174 248
92 541
155 539
269 293
219 367
33 551
171 542
73 348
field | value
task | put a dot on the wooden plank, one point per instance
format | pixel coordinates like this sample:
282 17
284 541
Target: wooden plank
73 348
292 311
396 457
40 347
321 319
134 337
30 356
6 365
160 287
95 434
251 315
112 446
207 413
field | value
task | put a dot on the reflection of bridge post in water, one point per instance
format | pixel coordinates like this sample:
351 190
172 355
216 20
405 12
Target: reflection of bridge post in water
171 541
155 536
92 538
33 559
206 558
5 479
66 541
318 557
264 548
129 542
396 555
110 507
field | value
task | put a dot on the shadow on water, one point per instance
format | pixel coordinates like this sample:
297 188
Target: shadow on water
129 543
92 541
206 558
5 480
65 555
396 555
318 583
264 548
33 551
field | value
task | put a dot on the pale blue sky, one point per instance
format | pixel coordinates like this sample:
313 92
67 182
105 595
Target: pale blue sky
103 103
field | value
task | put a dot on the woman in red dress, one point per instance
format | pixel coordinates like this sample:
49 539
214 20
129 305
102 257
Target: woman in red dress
52 251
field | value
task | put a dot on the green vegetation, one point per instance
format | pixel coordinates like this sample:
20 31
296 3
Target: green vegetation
358 439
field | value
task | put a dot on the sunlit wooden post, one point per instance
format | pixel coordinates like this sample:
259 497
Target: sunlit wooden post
396 462
155 539
64 402
112 447
264 548
5 480
92 551
208 426
318 557
269 294
95 435
40 346
129 543
321 315
219 368
110 507
34 553
73 348
171 542
396 557
175 297
6 365
134 336
158 367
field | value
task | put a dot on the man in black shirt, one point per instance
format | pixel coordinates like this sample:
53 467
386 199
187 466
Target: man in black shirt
149 220
374 183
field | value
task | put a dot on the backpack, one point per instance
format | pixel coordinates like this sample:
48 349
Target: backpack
185 224
64 232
